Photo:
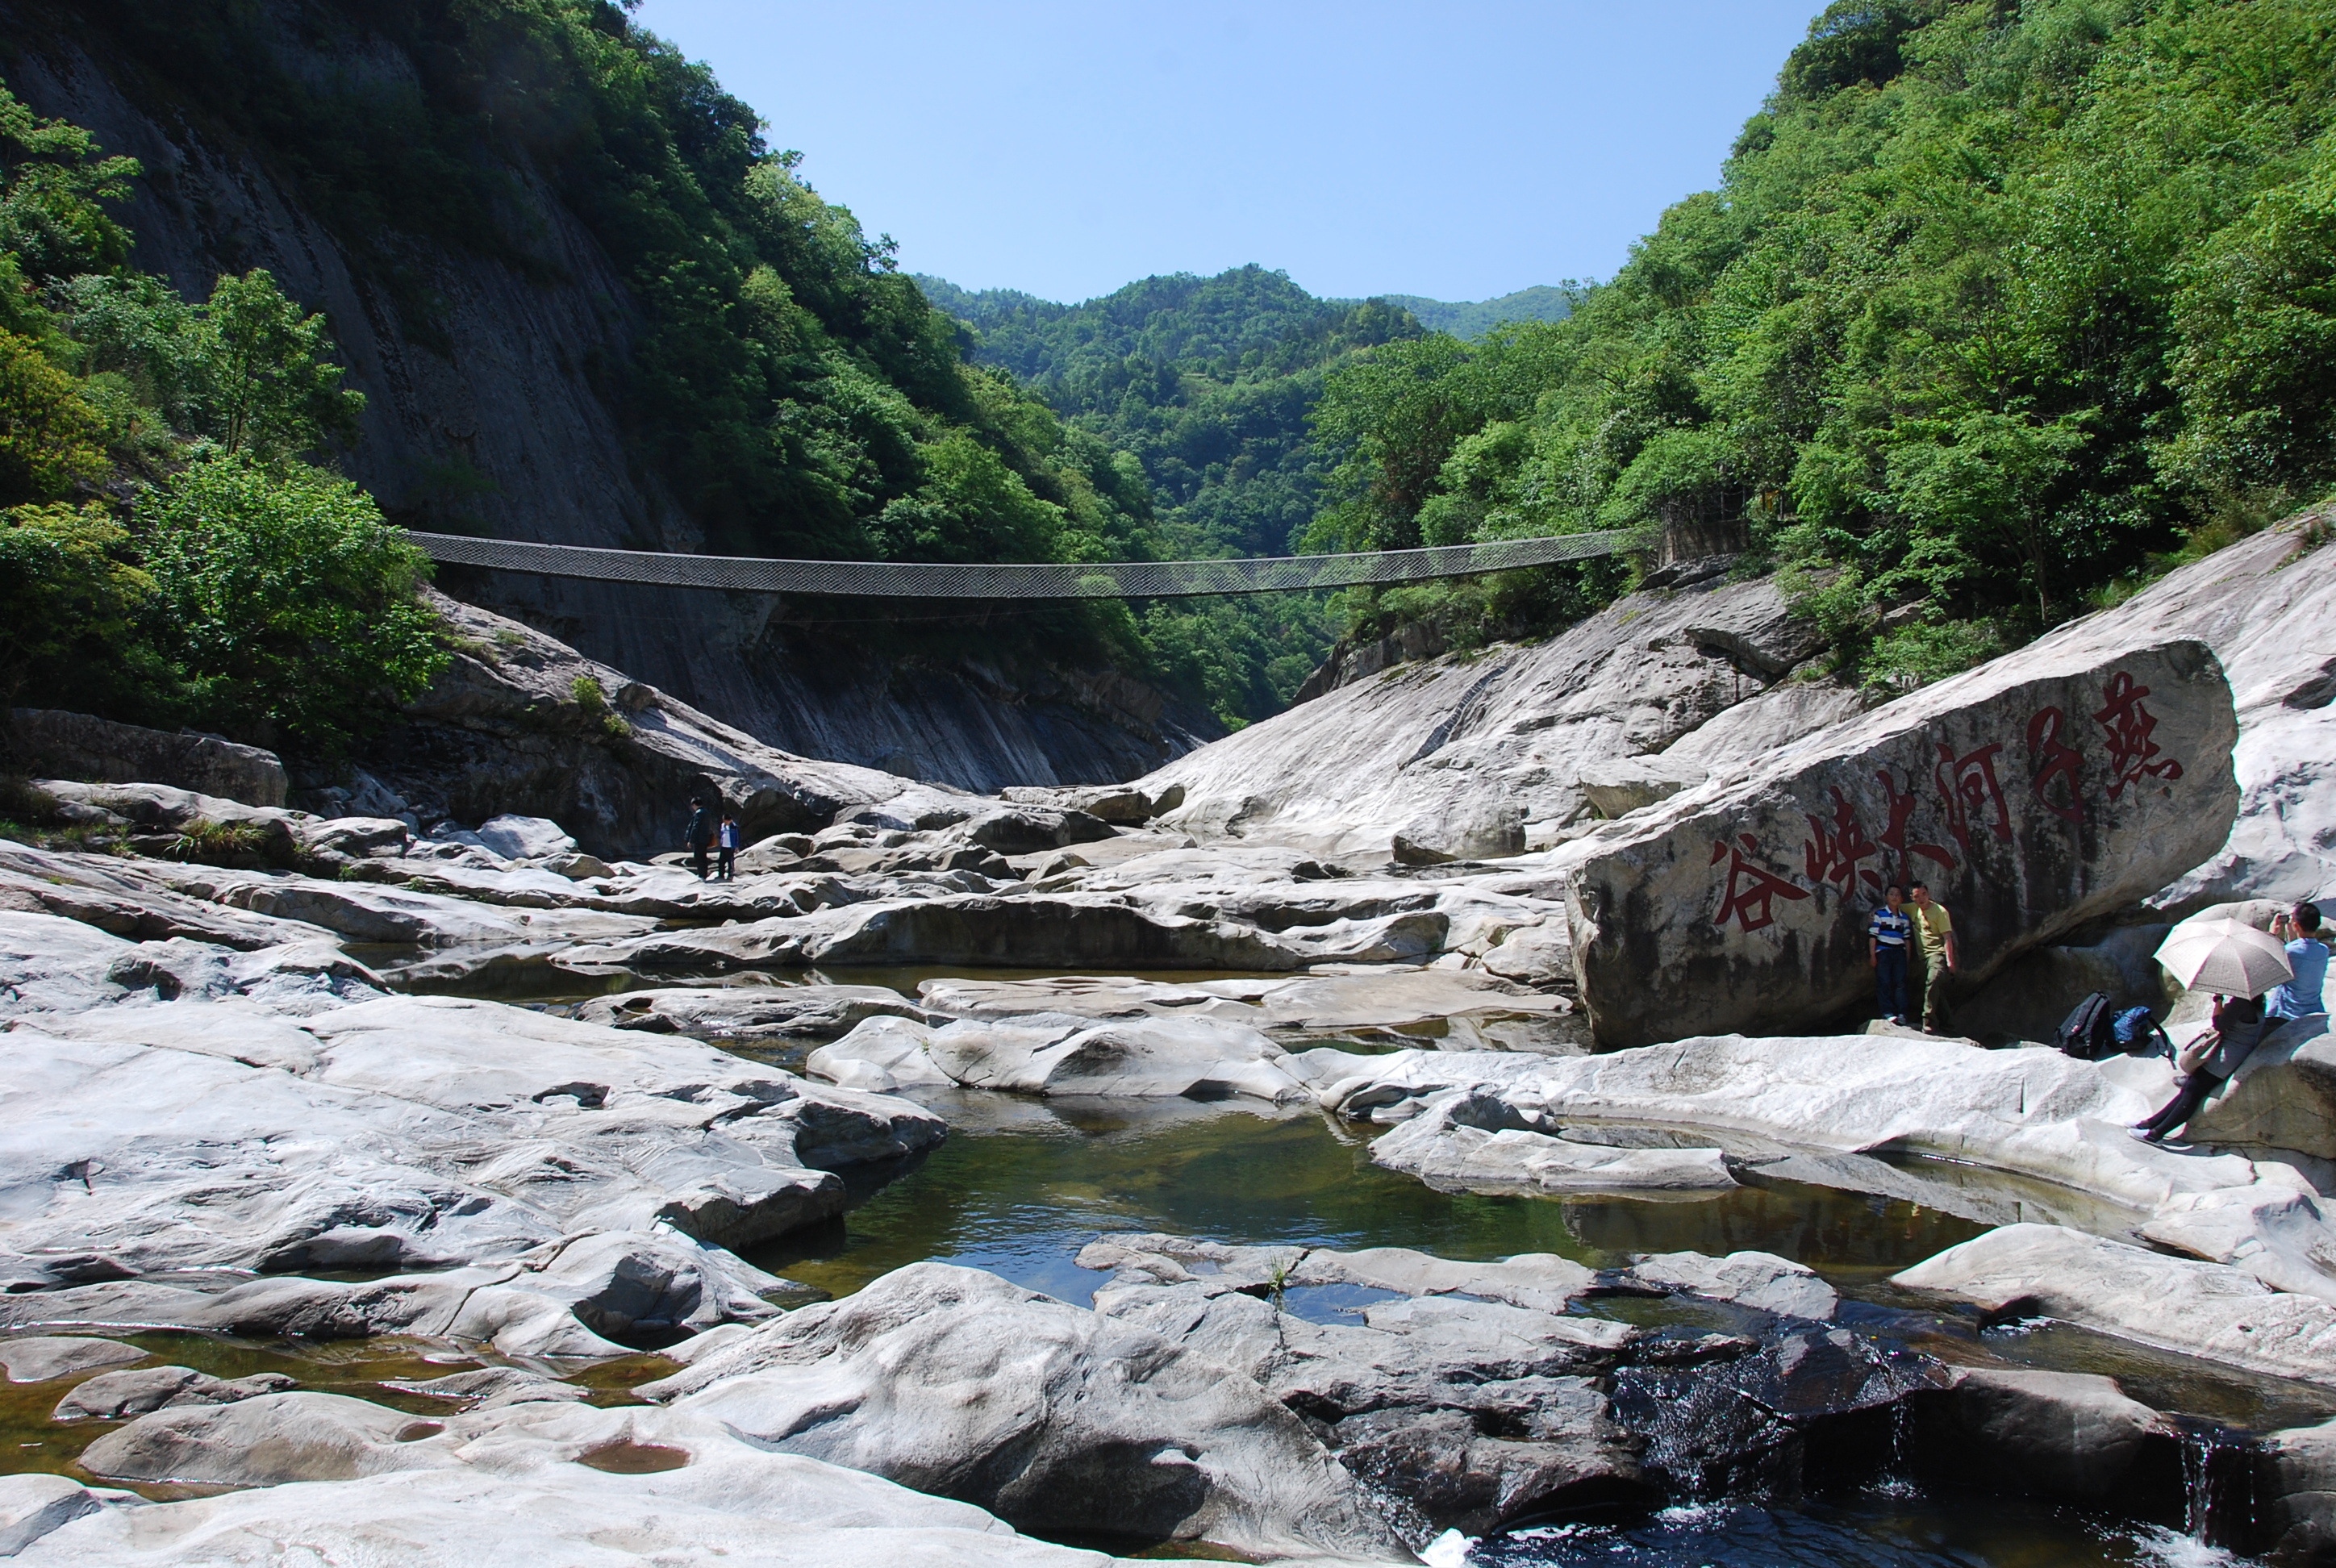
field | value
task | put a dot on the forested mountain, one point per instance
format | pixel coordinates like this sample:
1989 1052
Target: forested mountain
1209 383
1473 319
537 205
1996 309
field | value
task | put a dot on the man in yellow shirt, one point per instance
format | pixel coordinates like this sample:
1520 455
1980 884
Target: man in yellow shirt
1934 933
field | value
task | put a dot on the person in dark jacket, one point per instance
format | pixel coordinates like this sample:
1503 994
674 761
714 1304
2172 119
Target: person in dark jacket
2238 1026
698 835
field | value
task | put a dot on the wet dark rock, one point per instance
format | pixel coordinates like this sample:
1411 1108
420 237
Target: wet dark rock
79 745
1810 1409
2072 1436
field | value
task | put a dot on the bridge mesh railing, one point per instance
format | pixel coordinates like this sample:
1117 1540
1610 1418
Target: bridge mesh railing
1101 579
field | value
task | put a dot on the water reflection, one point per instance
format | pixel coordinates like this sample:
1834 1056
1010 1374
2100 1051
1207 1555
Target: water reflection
1021 1185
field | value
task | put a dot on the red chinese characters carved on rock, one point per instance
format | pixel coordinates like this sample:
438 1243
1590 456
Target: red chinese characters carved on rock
1968 790
2133 755
2049 757
1893 838
1835 848
1752 890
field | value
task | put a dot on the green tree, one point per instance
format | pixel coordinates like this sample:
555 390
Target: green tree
266 380
52 176
285 603
70 605
49 436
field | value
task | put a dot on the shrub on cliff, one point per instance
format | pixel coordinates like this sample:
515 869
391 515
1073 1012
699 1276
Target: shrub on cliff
284 603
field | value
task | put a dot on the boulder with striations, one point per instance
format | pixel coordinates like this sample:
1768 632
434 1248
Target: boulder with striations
2033 795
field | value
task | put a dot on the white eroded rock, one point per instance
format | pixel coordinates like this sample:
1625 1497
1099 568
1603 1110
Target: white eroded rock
962 1385
2198 1309
745 1012
498 1485
1054 1055
1760 1280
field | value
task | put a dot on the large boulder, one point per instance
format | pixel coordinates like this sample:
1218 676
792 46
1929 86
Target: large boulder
78 746
2267 607
2192 1308
957 1383
2074 1437
2034 794
2295 1496
1505 734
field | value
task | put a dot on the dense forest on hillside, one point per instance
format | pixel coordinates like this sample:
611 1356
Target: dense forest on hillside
1476 318
1998 308
792 390
1208 382
168 551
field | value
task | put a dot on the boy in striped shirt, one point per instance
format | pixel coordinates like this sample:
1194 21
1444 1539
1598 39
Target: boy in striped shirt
1886 935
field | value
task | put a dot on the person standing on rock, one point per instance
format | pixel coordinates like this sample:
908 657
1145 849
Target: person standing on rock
2208 1063
2307 954
1887 934
1935 933
698 835
726 859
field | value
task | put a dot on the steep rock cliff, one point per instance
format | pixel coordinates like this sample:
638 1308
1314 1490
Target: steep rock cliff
483 405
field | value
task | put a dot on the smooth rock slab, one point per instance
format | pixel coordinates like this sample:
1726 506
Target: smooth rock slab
112 1396
752 1012
1757 1279
503 1486
37 1358
962 1385
2038 792
2195 1309
1479 1143
1052 1055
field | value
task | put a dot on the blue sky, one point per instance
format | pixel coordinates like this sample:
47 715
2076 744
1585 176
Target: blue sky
1457 150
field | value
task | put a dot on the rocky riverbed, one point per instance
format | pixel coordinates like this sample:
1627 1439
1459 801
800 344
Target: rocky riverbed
1052 1176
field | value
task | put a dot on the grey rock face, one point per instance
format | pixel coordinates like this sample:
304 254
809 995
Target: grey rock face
1150 1059
2073 1436
752 1012
1507 730
79 745
524 1483
959 1384
2267 607
2296 1492
34 1504
1621 785
37 1358
2035 792
591 1172
2193 1308
112 1396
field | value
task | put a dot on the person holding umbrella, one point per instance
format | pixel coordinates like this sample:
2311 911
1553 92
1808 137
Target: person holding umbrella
2239 963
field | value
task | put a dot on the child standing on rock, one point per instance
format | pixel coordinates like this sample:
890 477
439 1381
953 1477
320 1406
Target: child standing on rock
1886 937
726 859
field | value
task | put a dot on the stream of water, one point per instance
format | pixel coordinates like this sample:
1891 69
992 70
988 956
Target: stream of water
1020 1185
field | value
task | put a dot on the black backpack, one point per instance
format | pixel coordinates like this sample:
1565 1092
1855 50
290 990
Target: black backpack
2089 1033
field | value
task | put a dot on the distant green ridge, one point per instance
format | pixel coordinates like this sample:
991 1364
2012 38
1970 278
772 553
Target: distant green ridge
1473 319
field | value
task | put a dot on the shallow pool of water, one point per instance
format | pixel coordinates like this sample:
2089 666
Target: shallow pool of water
1020 1187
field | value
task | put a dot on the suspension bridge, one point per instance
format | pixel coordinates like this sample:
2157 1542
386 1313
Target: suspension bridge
1015 580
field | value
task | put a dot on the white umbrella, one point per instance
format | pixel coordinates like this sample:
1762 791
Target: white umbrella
2227 957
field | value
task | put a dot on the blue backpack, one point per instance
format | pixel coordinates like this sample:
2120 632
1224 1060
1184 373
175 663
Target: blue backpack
2138 1035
